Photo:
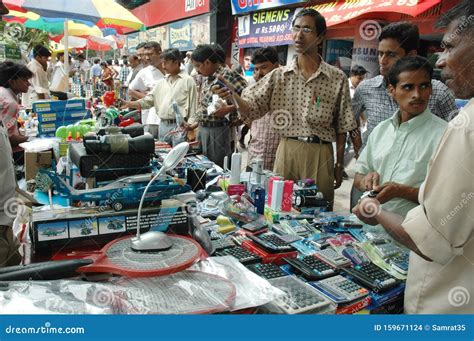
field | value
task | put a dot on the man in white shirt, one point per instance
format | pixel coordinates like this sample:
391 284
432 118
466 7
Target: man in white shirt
145 82
39 88
176 91
60 79
83 67
439 231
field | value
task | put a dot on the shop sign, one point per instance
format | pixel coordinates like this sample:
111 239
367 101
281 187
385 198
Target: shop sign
246 6
267 28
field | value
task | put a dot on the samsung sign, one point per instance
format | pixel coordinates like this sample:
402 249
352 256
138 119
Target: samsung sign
245 6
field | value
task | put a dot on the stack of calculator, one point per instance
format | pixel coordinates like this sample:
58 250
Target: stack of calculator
311 268
267 270
271 243
340 290
334 259
300 298
371 276
243 256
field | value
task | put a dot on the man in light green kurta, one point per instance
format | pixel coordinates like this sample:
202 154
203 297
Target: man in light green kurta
395 160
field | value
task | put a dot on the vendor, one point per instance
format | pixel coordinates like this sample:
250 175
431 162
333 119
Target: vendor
14 80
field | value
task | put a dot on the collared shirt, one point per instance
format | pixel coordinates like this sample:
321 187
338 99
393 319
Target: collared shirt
352 88
133 74
39 84
372 97
319 106
400 153
181 89
264 142
442 226
236 80
9 108
7 177
96 70
60 78
123 75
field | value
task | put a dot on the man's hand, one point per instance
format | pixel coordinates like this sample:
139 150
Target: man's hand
189 127
223 93
223 111
338 171
367 210
371 180
387 191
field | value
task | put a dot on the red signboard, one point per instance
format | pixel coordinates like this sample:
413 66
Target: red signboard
337 12
158 12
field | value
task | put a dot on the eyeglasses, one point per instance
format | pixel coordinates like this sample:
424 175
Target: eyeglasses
305 30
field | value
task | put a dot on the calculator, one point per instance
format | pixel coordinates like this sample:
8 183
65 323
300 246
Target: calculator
340 289
387 250
311 268
272 243
243 256
300 298
400 263
255 226
371 276
267 270
223 243
334 259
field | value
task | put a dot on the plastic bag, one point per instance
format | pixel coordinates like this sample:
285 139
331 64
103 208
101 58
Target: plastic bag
39 145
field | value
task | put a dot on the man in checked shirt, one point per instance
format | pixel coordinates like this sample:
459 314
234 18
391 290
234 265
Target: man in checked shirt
372 97
214 131
310 108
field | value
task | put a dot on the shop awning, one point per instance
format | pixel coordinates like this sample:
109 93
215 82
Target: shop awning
337 12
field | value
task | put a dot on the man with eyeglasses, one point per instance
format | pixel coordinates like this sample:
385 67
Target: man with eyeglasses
310 107
372 97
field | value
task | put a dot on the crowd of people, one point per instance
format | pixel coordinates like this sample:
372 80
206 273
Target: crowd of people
413 155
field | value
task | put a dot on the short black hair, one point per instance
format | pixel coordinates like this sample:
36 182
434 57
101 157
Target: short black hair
409 63
319 21
96 61
407 35
171 54
41 51
109 62
11 71
80 55
464 12
203 52
140 45
219 52
265 54
153 45
358 70
103 64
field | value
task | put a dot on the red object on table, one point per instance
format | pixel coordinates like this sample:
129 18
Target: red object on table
108 98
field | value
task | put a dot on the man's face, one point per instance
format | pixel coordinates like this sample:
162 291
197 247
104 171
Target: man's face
389 52
133 62
3 9
141 56
412 92
247 63
457 61
262 69
43 60
356 79
206 68
306 42
171 67
153 57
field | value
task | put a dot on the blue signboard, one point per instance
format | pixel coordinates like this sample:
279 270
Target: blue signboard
267 28
245 6
180 36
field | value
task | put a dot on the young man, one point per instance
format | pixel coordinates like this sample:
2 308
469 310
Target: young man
395 160
177 86
145 82
264 139
14 79
214 131
96 71
60 80
123 76
310 108
439 231
371 96
135 67
356 76
39 88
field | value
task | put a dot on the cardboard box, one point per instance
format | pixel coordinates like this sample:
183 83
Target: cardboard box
60 116
49 128
34 161
59 106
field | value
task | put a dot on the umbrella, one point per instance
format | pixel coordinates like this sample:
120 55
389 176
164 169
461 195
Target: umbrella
103 13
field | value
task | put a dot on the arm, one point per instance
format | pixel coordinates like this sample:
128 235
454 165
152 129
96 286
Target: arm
136 94
391 222
15 140
356 141
339 167
390 190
